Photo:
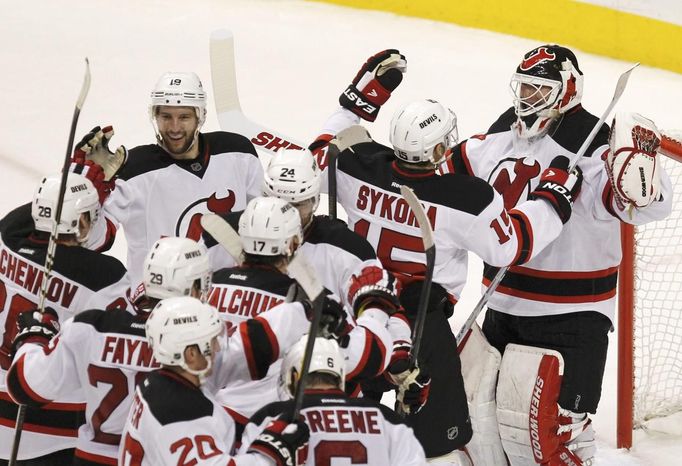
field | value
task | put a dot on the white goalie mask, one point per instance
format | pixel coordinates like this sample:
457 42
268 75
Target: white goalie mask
176 323
173 266
269 227
293 175
326 358
178 89
547 83
80 197
418 127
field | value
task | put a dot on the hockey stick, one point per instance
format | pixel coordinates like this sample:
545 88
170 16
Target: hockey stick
332 152
226 97
303 273
620 87
430 251
52 244
224 234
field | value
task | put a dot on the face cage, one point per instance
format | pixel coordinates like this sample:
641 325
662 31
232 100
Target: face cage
538 100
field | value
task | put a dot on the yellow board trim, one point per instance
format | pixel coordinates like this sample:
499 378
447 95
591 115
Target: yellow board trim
591 28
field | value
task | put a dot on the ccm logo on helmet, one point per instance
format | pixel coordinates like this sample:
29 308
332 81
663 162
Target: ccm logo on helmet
428 121
78 188
540 56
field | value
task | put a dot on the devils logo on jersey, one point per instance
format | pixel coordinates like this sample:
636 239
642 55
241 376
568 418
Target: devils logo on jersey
541 55
512 178
189 222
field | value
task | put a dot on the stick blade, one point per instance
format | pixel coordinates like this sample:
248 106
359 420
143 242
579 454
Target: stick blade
223 73
300 270
224 234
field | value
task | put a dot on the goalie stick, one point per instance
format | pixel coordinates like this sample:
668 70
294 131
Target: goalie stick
299 270
52 244
430 251
620 87
230 115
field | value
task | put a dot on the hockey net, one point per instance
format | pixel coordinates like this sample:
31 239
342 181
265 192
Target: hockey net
650 312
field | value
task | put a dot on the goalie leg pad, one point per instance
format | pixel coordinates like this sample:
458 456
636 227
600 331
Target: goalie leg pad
480 365
454 458
527 408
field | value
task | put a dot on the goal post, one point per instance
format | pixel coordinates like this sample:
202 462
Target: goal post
650 313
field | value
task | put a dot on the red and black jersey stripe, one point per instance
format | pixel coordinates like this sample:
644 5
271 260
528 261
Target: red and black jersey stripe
260 346
372 361
556 287
61 419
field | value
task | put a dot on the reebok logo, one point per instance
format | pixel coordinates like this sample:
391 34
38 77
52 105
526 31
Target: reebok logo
428 121
551 173
395 185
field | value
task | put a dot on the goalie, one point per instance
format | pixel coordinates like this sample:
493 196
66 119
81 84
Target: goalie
550 317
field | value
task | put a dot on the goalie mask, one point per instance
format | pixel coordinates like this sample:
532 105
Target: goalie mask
326 358
547 83
173 266
177 323
178 89
419 127
270 227
80 197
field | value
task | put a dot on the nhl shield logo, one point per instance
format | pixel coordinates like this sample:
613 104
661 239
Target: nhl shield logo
453 432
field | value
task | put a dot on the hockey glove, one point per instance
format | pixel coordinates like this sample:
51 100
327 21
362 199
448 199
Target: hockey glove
334 323
559 187
413 390
373 84
280 440
631 163
439 299
374 287
35 327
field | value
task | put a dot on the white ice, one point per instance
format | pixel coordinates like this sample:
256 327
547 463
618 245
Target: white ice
293 60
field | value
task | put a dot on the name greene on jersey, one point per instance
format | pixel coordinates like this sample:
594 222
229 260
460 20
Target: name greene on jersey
30 277
343 420
390 206
127 351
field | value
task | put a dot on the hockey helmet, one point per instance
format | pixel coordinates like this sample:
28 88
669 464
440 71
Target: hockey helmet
547 83
176 323
418 127
80 197
173 265
293 175
326 358
268 226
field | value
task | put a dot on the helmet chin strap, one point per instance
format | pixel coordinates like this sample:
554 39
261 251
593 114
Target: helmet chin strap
201 373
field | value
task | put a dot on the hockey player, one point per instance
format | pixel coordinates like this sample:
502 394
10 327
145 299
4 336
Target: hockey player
164 188
357 430
49 434
172 420
466 214
270 231
563 299
105 354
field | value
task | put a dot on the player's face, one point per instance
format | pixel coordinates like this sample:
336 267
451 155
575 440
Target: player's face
177 126
532 95
305 210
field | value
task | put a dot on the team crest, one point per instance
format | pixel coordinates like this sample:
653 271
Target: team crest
189 222
512 178
540 55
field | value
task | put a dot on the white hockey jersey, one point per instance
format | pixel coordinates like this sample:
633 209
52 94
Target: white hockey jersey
466 214
173 422
105 354
345 430
73 287
578 270
158 196
245 290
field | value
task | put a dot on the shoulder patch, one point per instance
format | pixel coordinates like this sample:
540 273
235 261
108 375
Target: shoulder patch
336 233
221 142
112 321
172 400
144 159
574 129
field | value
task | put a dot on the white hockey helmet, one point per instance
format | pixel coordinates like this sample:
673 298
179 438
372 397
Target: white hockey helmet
176 323
173 265
179 89
326 358
268 226
547 83
293 175
80 197
418 127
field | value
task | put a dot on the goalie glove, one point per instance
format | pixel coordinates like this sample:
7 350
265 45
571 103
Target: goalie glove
631 161
559 187
381 74
35 327
280 440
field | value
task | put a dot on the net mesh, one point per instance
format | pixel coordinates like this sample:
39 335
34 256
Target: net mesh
658 310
